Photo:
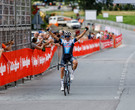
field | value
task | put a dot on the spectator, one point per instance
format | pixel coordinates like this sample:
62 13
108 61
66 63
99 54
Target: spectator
59 7
81 21
55 41
110 36
42 31
113 35
35 35
47 38
40 37
6 47
78 16
93 26
106 35
98 35
39 46
77 33
102 35
93 36
61 33
1 51
89 36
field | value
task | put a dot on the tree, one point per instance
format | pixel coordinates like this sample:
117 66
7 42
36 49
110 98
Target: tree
120 7
115 8
90 4
109 2
103 1
106 4
126 7
110 8
104 7
131 7
72 2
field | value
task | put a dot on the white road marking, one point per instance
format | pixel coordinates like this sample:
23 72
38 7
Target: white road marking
122 82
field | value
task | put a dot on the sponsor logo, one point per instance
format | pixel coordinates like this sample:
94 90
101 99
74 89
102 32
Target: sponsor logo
2 69
14 66
25 62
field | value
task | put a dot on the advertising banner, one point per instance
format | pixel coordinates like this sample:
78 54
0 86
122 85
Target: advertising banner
106 44
118 41
86 47
24 62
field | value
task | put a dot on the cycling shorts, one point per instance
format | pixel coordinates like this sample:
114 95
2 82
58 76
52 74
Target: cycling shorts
66 58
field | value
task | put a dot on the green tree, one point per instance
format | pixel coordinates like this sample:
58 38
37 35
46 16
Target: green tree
115 8
126 7
110 8
109 2
131 7
120 7
106 4
105 7
72 2
90 4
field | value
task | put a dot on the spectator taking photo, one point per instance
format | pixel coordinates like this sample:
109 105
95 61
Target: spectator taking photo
39 46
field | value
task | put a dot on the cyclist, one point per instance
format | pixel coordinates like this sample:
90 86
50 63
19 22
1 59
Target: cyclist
67 45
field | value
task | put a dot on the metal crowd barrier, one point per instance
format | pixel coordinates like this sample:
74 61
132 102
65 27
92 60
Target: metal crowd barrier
54 63
112 23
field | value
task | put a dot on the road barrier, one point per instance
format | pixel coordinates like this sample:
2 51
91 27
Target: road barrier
118 41
112 23
21 63
24 62
106 44
86 47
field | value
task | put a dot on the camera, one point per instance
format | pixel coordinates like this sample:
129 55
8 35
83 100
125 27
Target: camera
43 41
43 49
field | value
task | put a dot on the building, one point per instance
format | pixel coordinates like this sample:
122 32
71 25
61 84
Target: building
15 22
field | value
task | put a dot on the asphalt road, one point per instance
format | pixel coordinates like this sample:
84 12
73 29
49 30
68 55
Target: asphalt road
97 84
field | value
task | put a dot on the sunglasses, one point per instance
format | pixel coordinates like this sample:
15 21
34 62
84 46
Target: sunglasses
67 36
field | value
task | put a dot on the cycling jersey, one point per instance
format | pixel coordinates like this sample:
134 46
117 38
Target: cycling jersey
68 46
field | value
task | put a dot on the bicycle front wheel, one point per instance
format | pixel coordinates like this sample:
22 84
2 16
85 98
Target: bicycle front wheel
68 83
65 82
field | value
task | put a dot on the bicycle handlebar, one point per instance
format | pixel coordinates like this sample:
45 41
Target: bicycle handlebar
65 65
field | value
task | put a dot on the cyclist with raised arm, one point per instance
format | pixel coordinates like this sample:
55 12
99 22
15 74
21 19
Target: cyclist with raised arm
67 45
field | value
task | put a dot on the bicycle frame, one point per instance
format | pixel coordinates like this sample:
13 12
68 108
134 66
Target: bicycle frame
66 77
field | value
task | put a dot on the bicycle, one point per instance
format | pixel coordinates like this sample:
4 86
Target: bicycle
66 78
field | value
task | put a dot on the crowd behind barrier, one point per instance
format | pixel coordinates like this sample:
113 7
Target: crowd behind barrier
21 63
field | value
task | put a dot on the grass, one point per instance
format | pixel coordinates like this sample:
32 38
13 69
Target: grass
129 19
128 16
120 12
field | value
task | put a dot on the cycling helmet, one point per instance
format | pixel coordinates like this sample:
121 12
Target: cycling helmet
67 33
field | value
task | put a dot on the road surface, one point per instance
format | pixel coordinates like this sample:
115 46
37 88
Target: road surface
97 85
